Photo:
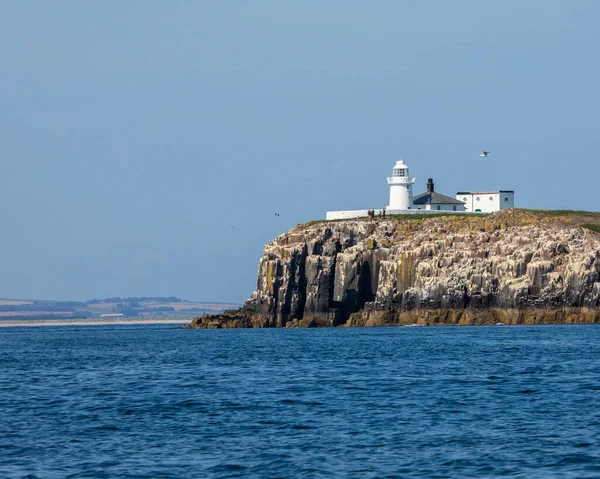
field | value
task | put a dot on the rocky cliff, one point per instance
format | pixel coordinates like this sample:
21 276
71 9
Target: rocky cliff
515 266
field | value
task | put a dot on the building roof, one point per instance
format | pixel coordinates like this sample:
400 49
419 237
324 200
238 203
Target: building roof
431 197
483 192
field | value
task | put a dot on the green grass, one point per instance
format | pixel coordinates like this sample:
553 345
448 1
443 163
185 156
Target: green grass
425 216
589 215
565 212
591 227
416 216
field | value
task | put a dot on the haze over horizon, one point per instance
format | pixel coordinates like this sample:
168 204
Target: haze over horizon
134 135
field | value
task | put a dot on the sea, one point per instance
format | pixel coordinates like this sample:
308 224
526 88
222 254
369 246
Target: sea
155 401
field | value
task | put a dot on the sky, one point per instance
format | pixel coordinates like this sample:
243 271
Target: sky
146 145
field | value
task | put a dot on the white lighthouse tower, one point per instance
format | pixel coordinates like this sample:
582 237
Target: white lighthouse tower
401 197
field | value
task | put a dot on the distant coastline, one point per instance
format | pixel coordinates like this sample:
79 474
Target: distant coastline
164 307
17 323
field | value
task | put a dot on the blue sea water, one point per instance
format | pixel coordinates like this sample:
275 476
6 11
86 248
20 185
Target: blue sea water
151 401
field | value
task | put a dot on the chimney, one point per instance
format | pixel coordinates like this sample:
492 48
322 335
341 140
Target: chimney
430 185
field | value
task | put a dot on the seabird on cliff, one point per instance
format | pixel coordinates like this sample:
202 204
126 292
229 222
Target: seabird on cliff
484 154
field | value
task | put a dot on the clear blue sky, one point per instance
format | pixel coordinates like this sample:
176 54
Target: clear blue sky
134 134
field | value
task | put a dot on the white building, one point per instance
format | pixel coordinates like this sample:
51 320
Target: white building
402 201
487 201
400 188
431 200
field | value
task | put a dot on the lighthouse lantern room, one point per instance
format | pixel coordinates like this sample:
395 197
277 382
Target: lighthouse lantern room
401 197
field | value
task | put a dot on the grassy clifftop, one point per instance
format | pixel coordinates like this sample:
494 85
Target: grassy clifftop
486 221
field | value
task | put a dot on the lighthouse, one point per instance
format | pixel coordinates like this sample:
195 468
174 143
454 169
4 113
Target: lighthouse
401 197
402 201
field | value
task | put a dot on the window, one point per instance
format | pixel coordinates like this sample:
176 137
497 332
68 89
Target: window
400 172
454 208
465 200
491 198
408 187
477 198
505 199
439 207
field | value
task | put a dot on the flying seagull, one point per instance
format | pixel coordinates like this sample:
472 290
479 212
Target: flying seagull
484 154
276 214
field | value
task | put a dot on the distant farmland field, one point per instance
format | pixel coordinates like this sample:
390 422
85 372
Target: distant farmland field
11 314
168 306
187 306
13 302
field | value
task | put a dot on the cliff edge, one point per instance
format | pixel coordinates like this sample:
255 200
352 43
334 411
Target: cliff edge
512 267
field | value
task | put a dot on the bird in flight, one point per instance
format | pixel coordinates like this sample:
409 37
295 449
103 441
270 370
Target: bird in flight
276 214
484 154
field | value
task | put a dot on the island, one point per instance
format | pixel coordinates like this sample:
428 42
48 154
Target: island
514 266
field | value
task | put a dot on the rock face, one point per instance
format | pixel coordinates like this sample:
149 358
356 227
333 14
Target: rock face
510 267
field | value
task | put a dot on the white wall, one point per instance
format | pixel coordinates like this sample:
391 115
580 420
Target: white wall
348 214
352 214
468 199
400 196
487 202
505 205
442 207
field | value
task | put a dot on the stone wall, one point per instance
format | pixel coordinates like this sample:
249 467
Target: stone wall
355 214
